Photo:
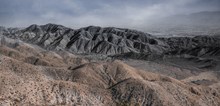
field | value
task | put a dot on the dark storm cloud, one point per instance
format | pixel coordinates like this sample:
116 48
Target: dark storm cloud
78 13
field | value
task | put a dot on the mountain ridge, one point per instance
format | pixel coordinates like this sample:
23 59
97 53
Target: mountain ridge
93 39
91 35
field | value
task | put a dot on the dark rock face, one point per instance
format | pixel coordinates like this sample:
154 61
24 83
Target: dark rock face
111 40
90 39
118 42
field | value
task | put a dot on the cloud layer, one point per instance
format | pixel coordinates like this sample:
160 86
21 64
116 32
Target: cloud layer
81 13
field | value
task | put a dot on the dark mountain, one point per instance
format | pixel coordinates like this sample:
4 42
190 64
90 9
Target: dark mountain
88 40
120 43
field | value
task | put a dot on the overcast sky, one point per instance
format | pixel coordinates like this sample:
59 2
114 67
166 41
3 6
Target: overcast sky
81 13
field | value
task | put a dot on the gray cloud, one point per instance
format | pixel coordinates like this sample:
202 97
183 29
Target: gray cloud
80 13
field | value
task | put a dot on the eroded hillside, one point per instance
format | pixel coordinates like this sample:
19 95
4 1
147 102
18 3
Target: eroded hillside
31 75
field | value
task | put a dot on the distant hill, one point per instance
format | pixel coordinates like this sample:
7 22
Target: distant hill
201 18
201 23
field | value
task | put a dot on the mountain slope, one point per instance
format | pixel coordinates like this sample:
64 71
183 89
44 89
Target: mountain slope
203 51
65 82
48 65
87 40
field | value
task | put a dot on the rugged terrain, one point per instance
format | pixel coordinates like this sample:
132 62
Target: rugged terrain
55 65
